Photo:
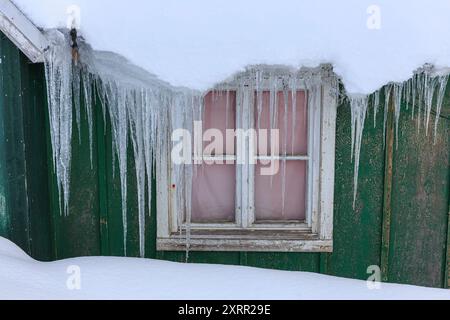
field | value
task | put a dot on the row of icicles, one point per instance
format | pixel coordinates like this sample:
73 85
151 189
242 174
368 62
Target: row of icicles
146 110
420 93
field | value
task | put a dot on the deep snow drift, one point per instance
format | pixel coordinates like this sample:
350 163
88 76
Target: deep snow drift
198 43
126 278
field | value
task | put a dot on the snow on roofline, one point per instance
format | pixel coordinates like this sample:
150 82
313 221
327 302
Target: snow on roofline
198 43
22 32
182 51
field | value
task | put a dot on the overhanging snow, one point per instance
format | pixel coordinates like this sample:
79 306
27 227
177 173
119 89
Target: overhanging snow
198 43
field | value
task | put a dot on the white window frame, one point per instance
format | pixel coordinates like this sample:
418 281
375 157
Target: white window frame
315 234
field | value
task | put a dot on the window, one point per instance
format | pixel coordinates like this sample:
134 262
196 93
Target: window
282 199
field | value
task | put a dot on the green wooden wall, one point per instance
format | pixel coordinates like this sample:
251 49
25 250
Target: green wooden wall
406 233
25 213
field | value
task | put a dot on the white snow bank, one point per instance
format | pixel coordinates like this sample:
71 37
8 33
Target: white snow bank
125 278
197 43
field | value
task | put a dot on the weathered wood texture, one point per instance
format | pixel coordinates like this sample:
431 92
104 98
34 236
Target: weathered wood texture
419 201
24 207
357 232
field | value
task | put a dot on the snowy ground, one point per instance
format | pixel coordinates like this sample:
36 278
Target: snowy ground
125 278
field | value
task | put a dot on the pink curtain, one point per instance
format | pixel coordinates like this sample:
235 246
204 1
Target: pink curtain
269 196
293 141
220 113
214 186
213 193
297 139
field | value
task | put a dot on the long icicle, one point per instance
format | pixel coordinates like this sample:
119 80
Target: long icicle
358 105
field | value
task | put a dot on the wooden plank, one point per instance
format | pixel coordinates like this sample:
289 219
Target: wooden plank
308 262
447 260
243 258
53 190
14 146
102 178
420 202
133 249
78 233
327 161
34 110
357 232
114 204
245 245
4 212
387 197
323 263
150 223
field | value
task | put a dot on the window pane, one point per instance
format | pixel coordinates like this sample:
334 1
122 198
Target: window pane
297 122
213 193
220 113
269 193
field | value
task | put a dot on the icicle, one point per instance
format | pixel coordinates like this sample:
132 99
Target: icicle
430 86
227 109
421 88
118 112
294 110
283 174
87 83
376 104
149 128
408 93
259 96
443 80
76 87
413 93
358 105
306 110
398 88
58 71
387 96
135 105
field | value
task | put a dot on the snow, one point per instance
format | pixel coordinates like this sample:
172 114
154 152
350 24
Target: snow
198 43
127 278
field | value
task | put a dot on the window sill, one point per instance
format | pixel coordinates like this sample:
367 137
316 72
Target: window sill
229 243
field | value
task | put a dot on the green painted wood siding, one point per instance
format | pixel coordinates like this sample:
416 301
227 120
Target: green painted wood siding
416 252
25 215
